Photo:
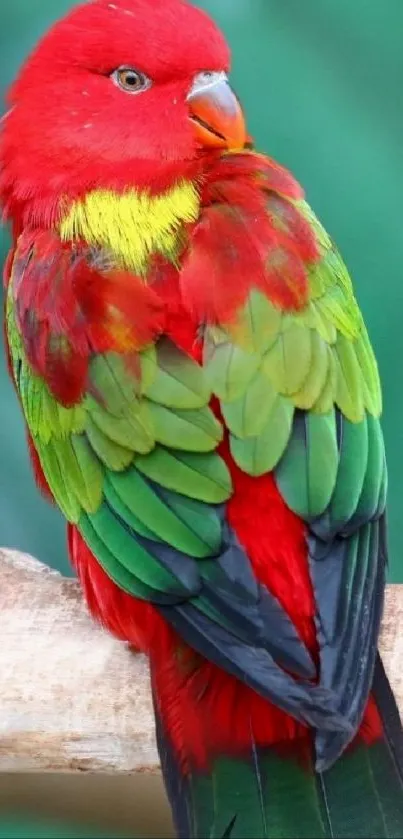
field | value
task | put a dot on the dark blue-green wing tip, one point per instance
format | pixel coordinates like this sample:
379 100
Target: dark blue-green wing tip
218 607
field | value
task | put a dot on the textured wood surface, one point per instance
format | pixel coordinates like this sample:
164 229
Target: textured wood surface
72 698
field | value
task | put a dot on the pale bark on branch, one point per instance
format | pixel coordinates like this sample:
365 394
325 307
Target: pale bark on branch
74 699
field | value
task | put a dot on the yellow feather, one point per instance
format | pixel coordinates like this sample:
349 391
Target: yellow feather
133 225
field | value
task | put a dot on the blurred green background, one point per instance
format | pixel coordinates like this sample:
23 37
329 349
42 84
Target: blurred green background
321 81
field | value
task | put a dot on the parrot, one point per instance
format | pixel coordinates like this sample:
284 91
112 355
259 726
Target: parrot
202 403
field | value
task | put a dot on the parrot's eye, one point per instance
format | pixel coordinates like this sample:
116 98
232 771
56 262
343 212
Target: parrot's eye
130 80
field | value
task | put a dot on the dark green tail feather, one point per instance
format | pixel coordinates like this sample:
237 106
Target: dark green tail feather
359 797
282 801
265 795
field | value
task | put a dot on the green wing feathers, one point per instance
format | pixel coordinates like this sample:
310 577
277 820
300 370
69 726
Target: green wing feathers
269 363
300 396
143 422
147 413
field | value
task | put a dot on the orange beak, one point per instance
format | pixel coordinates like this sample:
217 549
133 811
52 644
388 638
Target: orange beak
217 117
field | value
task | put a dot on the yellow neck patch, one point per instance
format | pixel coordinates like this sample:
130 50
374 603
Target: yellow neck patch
133 225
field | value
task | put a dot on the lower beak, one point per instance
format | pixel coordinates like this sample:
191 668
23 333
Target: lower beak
217 118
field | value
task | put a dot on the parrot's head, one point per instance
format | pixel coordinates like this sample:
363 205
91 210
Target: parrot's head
117 94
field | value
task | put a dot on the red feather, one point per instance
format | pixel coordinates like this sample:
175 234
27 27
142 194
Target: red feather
68 308
239 244
259 169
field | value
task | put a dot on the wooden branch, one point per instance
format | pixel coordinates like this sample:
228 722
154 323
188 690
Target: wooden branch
71 697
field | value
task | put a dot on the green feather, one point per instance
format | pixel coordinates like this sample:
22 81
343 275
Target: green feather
352 789
201 476
288 781
118 505
67 501
178 381
349 396
59 421
339 303
306 475
258 324
191 430
229 368
369 374
373 481
83 470
113 383
202 520
132 555
132 431
325 401
314 318
384 486
287 363
33 395
70 461
313 385
322 279
236 792
113 455
322 237
46 418
388 788
157 516
259 455
201 804
259 796
247 415
148 368
264 795
111 565
351 471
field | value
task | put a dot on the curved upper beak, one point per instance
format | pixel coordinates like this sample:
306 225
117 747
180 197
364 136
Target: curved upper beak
217 116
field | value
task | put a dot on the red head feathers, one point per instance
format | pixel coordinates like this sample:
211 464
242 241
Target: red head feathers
104 101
